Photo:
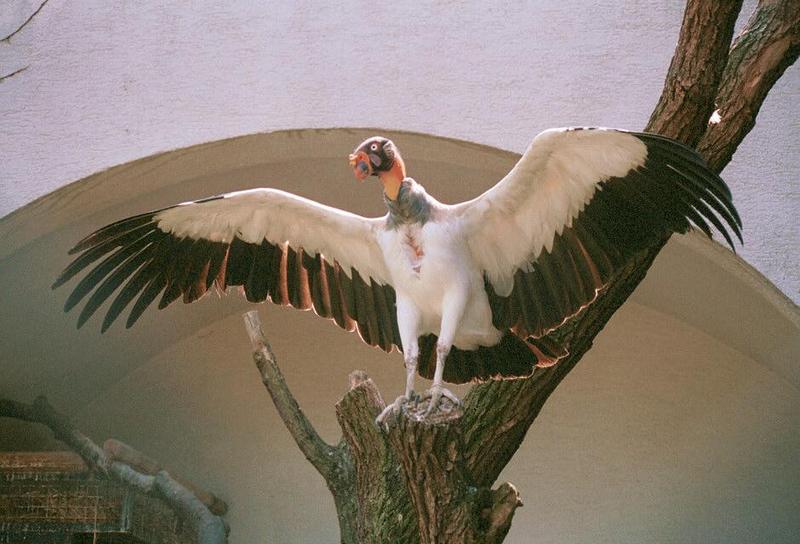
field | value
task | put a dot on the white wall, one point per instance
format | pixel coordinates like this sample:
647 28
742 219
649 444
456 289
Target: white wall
110 81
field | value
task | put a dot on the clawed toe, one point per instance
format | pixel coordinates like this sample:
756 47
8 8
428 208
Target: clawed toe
436 393
393 408
437 401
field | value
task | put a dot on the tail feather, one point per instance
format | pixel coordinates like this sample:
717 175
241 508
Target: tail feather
512 357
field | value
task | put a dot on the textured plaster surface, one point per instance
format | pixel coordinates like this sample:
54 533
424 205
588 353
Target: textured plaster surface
111 81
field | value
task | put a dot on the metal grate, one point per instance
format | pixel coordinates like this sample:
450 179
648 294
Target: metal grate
52 497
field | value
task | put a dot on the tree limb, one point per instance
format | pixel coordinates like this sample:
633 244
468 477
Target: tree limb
28 20
323 456
498 415
117 450
768 45
208 528
432 481
42 412
697 64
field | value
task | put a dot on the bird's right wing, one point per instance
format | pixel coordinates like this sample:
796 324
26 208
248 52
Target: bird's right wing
572 212
275 245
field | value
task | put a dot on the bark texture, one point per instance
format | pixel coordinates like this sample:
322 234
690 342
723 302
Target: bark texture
697 65
768 45
427 481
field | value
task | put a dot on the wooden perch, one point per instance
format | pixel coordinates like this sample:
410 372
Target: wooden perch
407 484
118 451
321 454
208 528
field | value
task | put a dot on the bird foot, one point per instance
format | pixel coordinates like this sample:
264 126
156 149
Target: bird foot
436 405
395 407
436 394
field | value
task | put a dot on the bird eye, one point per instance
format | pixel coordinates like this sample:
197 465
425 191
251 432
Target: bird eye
374 147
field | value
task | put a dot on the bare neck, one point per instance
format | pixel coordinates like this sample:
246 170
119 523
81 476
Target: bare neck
393 178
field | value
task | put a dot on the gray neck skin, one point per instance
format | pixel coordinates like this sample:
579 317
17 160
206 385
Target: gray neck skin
412 205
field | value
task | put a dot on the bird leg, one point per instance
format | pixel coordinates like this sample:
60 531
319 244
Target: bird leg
453 306
410 361
437 390
408 319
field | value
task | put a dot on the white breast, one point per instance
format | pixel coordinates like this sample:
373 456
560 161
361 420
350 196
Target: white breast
417 257
425 263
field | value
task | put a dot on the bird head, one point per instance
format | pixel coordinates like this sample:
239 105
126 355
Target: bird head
373 157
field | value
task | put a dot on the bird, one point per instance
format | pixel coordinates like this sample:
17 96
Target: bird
468 292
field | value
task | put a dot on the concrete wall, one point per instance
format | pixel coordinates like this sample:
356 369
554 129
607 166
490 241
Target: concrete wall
110 81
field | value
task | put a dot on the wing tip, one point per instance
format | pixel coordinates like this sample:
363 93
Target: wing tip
71 302
106 324
131 321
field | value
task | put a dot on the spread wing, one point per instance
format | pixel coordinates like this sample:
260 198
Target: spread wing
578 204
275 245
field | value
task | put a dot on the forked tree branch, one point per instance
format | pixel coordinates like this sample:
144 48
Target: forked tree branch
323 456
700 56
768 45
498 415
468 453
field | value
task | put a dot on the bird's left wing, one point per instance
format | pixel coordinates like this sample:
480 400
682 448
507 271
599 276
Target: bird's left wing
277 246
578 204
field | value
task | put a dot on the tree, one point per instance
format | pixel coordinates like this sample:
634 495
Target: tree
431 480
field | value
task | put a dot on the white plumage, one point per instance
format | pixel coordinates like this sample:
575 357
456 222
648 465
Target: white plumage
553 181
278 216
467 291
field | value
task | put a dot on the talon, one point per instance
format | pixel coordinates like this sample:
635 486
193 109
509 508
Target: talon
436 393
392 408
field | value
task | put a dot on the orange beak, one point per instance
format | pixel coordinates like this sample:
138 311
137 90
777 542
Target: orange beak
359 162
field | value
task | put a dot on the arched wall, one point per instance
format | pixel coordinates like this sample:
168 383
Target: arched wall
680 425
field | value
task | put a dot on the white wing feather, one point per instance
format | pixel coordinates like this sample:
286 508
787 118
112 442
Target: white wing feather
281 217
511 223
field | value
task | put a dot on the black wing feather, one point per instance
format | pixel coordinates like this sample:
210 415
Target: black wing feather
137 260
672 190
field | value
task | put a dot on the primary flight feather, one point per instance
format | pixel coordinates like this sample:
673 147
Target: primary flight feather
467 292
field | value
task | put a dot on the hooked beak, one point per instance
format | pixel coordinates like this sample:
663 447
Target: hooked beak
359 162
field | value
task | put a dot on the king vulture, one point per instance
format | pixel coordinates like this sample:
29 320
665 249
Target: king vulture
467 292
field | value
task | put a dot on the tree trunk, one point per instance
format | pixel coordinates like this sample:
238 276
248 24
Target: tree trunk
422 480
